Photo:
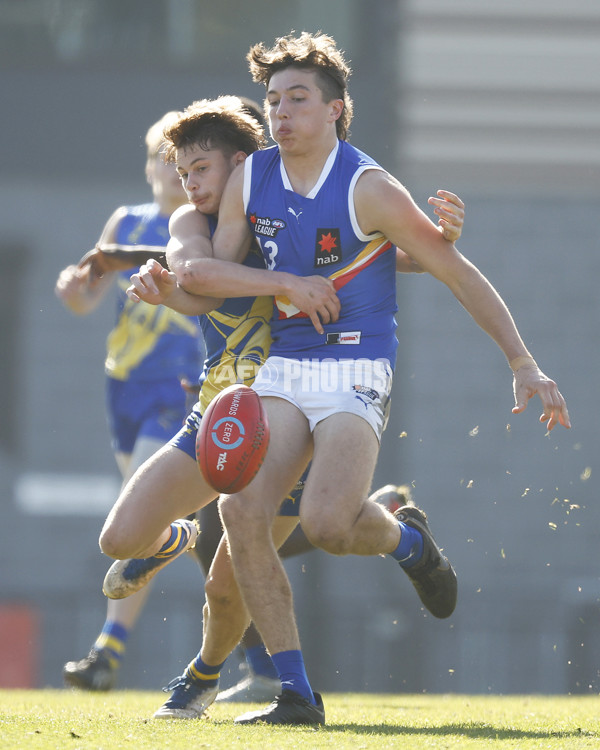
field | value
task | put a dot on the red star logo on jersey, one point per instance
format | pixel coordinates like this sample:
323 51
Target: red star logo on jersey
328 248
327 242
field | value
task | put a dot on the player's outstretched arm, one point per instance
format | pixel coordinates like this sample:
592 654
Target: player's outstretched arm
386 206
82 287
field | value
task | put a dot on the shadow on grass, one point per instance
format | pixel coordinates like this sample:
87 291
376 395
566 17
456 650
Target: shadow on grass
471 731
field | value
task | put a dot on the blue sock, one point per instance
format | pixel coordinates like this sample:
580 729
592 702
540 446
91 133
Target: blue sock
410 549
202 673
112 641
260 662
291 671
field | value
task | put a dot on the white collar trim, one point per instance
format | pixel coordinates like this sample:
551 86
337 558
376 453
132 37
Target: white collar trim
327 167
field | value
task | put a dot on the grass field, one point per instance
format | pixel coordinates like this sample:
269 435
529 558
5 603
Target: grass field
44 719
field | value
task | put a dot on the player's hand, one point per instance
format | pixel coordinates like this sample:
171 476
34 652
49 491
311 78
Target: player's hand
529 380
70 281
152 283
451 212
316 297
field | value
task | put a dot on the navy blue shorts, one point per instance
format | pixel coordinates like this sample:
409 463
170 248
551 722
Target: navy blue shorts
154 410
185 440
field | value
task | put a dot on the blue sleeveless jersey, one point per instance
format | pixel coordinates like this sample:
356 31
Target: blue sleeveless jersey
149 342
318 234
237 337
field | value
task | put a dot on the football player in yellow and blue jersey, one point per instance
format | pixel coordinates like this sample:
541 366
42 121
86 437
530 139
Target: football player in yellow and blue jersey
150 351
237 339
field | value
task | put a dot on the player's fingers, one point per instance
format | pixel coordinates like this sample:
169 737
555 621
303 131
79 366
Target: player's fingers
135 282
451 220
132 294
555 410
450 234
333 310
451 197
140 284
564 417
450 231
333 305
154 267
316 321
522 396
450 226
454 217
448 211
145 277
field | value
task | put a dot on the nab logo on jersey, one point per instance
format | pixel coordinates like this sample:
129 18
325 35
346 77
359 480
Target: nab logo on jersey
266 227
328 248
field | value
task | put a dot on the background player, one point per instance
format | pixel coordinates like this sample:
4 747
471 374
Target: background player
149 351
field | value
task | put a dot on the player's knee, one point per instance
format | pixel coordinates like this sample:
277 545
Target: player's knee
221 593
110 544
116 541
327 537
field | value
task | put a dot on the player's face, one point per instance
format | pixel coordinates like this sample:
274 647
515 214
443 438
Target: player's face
203 174
165 181
298 116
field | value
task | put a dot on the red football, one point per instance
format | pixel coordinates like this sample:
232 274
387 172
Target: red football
233 439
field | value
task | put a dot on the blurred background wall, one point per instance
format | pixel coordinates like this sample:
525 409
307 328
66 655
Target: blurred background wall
498 102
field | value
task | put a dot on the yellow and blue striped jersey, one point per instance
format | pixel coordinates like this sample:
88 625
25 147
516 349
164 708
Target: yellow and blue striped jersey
237 337
148 342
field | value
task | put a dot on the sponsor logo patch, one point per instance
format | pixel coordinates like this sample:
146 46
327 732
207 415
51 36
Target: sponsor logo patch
328 248
364 392
266 227
347 337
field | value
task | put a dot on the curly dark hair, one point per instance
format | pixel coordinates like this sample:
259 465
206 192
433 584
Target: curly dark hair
316 52
224 123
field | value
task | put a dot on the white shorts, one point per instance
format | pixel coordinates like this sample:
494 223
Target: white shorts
322 387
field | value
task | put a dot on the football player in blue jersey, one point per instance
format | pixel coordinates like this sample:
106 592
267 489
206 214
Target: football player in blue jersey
311 197
149 351
200 144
